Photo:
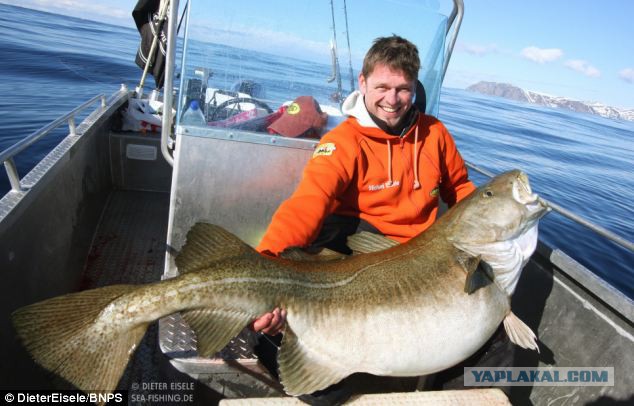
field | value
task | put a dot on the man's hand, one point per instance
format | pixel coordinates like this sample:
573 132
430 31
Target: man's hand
270 323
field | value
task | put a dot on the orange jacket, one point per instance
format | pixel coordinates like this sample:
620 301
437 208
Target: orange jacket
359 170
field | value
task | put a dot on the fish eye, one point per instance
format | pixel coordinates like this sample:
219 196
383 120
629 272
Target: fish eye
488 193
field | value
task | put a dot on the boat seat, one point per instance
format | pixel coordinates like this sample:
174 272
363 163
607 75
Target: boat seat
421 97
484 397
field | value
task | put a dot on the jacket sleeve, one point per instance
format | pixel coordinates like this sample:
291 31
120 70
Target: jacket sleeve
298 220
455 184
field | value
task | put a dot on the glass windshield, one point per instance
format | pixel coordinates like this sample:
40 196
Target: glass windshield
245 63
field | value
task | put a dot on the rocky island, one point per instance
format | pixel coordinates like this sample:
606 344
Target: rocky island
509 91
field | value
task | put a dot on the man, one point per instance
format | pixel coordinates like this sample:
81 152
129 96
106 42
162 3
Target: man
382 169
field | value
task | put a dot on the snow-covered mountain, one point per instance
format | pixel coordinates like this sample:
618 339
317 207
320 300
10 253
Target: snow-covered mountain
515 93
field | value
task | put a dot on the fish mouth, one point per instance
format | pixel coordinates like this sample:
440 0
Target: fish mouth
523 194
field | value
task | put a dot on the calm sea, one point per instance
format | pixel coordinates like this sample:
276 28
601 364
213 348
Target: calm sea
50 63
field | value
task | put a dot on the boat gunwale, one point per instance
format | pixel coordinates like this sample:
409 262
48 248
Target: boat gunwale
11 201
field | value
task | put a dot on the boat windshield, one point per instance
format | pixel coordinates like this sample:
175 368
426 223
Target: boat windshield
245 63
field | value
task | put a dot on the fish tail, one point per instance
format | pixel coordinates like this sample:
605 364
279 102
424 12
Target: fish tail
62 336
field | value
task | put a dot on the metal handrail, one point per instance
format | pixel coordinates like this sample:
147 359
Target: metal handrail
572 216
6 156
168 85
453 27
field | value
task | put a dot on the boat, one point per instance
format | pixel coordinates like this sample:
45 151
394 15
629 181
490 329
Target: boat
112 204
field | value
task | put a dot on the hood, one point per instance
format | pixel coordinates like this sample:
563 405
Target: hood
355 107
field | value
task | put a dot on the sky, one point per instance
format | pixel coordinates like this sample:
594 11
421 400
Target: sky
580 49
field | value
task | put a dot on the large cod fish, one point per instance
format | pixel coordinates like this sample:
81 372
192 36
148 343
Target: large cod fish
410 309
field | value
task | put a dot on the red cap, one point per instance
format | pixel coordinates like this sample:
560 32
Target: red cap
301 115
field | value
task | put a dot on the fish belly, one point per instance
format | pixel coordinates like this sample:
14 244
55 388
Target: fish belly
420 337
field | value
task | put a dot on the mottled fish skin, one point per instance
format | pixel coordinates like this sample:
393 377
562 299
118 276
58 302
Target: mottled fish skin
402 311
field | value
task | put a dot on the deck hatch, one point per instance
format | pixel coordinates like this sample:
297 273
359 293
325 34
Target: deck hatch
141 152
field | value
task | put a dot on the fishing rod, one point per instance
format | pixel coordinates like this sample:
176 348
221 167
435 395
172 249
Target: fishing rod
154 46
336 74
345 13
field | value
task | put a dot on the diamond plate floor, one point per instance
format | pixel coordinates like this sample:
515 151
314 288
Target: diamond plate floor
129 248
129 245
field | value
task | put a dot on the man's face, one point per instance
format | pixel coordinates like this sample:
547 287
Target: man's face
388 93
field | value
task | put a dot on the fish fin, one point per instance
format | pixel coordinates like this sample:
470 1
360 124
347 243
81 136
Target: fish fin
478 276
298 254
62 336
519 333
365 242
467 261
214 328
207 243
299 372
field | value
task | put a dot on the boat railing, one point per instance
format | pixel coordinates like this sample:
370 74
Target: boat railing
572 216
453 27
170 66
6 156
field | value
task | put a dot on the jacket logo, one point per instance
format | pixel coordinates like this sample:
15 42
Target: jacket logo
324 149
381 186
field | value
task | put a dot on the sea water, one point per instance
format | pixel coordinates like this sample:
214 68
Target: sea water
50 63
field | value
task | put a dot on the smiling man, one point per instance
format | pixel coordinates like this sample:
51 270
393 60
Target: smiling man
382 169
